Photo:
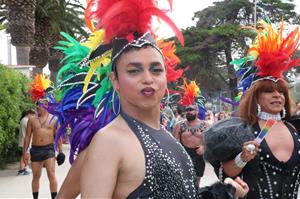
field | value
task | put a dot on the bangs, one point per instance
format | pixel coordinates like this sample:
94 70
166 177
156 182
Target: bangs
270 86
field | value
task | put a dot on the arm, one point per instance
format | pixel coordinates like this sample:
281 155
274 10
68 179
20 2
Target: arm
71 185
27 140
60 143
231 168
101 166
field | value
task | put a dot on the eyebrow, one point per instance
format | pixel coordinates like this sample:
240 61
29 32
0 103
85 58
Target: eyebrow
139 64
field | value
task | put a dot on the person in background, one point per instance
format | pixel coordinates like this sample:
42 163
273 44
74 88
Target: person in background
269 165
190 132
41 130
24 168
221 115
209 118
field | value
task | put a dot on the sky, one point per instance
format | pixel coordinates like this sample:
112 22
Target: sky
183 11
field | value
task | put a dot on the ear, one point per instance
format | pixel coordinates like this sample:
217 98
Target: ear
115 81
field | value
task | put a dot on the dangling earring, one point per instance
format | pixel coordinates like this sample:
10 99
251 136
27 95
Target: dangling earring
258 110
168 97
283 113
116 112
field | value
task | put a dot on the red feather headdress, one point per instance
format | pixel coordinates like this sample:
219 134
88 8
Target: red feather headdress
127 22
191 92
38 87
274 52
124 18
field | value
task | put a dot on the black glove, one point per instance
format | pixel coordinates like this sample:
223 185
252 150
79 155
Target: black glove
60 159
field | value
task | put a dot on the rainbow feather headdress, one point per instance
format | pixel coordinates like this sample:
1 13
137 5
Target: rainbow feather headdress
87 98
128 22
41 88
192 95
269 57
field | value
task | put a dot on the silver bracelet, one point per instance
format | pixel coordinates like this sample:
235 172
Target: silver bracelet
239 162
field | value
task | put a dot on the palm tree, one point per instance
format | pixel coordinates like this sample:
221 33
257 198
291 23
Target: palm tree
21 26
3 14
53 16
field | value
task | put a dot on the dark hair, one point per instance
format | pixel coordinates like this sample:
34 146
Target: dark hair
26 112
248 104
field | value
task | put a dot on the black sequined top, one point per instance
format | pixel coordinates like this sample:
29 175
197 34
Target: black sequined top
267 177
169 170
276 179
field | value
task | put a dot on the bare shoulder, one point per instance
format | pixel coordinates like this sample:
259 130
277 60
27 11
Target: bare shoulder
32 119
111 138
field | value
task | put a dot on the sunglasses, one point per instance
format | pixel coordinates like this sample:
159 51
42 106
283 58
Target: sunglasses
41 101
189 109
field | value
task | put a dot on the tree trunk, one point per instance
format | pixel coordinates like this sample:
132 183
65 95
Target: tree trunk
231 72
21 27
22 55
55 56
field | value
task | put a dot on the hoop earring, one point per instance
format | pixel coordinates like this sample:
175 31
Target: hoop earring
258 110
114 103
283 113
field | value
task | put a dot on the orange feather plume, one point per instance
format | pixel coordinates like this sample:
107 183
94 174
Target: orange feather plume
274 52
38 86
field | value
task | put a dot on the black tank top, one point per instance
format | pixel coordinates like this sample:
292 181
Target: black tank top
169 170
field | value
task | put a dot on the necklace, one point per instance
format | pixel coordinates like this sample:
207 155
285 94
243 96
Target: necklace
193 129
265 116
43 123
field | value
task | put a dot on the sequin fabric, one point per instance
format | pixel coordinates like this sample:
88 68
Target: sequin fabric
169 170
277 180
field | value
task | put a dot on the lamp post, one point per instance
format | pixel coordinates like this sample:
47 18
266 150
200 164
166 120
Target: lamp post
254 17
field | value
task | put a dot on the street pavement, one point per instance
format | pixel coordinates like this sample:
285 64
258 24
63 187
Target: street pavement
13 186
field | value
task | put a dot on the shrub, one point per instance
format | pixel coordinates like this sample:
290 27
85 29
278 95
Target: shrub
13 100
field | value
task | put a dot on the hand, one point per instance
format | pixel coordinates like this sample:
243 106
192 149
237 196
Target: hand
248 154
200 150
240 186
26 158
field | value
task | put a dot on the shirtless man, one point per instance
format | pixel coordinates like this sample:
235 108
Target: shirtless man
41 128
190 135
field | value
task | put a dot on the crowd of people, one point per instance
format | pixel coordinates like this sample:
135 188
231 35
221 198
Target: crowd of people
130 141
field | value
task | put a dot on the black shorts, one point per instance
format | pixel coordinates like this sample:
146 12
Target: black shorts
41 153
198 161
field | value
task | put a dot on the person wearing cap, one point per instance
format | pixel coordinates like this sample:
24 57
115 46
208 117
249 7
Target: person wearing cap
270 167
41 130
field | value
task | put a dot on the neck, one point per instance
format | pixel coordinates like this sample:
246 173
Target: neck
43 113
195 121
266 116
148 117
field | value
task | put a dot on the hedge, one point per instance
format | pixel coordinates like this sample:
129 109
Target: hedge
13 100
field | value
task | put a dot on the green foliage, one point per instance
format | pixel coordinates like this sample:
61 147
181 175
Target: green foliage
63 16
217 38
276 9
13 100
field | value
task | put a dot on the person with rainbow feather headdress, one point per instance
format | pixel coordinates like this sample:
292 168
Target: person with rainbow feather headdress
190 132
128 110
271 165
41 128
111 88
